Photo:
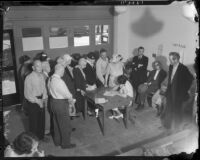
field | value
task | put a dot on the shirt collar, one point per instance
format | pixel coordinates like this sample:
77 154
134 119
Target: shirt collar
56 75
90 63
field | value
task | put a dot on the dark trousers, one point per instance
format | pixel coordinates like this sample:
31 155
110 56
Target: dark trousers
61 122
36 119
80 102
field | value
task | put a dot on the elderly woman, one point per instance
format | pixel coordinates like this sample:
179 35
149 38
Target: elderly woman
115 68
153 83
25 145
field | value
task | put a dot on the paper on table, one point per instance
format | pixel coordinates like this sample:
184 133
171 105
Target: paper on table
110 93
100 100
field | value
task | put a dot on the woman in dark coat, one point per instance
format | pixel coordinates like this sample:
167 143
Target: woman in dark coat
80 84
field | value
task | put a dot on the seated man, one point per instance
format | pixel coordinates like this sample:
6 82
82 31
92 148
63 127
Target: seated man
153 83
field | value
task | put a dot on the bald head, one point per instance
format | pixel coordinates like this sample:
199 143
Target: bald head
59 69
37 66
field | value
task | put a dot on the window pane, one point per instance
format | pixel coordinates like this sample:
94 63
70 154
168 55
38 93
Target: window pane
101 34
58 37
81 36
7 52
8 82
32 39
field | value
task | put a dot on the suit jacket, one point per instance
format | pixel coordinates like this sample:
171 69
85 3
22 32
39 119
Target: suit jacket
159 79
90 74
136 61
69 81
79 79
179 86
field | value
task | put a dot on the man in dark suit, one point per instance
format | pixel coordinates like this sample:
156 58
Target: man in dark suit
153 83
80 84
179 82
90 75
139 69
89 70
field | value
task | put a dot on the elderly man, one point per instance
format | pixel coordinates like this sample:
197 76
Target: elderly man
36 95
68 78
153 83
101 67
179 82
60 100
80 84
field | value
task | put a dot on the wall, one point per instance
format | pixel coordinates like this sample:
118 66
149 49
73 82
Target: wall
160 29
68 16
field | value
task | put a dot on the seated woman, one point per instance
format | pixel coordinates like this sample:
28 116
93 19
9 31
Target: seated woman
114 69
124 89
24 145
153 83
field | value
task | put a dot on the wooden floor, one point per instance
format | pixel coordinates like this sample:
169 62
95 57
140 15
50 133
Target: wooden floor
144 129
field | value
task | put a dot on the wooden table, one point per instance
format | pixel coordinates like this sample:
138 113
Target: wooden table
113 102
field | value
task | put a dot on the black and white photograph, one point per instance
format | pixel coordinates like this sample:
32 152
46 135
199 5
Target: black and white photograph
100 78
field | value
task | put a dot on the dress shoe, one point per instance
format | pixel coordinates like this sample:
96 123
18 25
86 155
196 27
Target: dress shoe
45 139
73 129
68 146
140 107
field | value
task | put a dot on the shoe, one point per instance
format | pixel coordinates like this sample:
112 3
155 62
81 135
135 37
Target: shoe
119 116
111 117
140 107
45 139
69 146
90 113
73 129
48 134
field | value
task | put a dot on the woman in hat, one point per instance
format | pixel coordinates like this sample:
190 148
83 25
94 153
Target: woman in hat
114 69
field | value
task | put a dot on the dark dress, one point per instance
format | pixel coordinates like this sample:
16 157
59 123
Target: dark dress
80 84
176 95
139 74
90 74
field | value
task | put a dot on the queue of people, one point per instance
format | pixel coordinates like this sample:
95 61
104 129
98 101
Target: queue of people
54 93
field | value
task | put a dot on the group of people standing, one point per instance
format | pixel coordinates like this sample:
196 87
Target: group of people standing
54 93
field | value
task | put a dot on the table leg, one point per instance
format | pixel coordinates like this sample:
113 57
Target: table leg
126 117
103 119
85 109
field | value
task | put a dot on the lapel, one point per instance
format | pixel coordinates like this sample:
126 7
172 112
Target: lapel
68 72
176 74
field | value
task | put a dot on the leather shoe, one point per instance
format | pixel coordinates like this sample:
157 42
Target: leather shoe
140 107
68 146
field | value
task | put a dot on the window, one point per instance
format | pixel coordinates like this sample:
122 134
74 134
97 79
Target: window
7 53
32 39
101 34
8 82
81 36
58 37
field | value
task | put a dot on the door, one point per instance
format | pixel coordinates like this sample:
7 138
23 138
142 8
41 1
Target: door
10 89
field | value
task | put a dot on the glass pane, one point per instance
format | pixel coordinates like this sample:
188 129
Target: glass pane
101 34
7 52
8 82
32 39
58 37
81 36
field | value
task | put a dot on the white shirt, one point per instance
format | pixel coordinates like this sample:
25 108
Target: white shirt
155 76
58 88
174 71
127 89
101 68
